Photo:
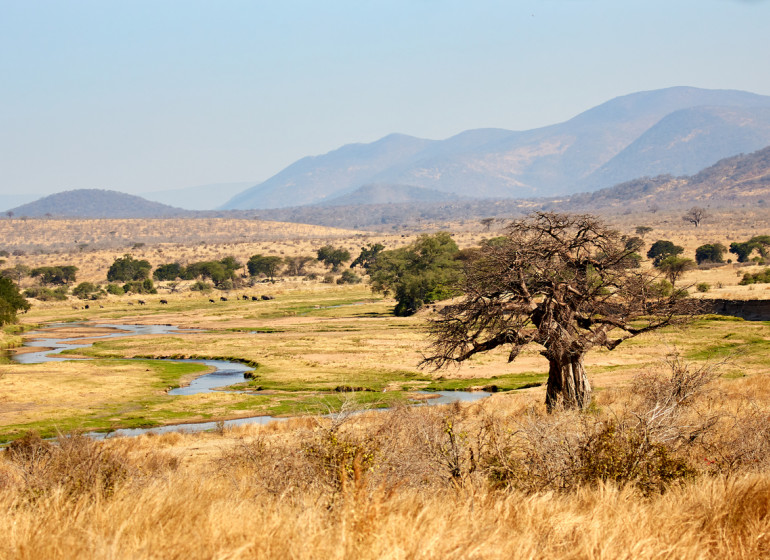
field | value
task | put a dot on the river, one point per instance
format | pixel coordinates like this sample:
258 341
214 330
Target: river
225 373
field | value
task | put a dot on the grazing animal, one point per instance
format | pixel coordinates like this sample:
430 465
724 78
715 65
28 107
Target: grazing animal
223 298
212 301
142 302
164 302
246 297
86 307
254 298
130 303
267 297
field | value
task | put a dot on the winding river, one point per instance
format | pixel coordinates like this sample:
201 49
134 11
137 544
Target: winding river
225 373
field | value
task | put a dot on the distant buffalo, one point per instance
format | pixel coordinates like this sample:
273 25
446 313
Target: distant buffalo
212 301
164 302
245 297
254 298
142 302
267 297
223 298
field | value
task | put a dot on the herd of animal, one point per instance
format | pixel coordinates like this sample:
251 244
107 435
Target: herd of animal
165 301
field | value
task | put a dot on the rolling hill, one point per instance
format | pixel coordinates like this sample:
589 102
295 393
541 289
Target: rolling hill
675 130
96 203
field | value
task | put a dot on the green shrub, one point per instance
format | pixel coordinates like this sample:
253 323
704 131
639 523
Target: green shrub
115 289
703 287
761 277
201 286
140 287
46 294
86 290
348 277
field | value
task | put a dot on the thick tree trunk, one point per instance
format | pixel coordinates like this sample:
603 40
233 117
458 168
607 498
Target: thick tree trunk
568 385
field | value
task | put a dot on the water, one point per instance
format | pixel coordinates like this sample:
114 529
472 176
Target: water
225 373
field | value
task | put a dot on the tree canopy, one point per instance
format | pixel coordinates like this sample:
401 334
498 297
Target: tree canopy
710 253
63 274
565 282
368 255
11 301
269 266
423 272
661 249
333 256
127 268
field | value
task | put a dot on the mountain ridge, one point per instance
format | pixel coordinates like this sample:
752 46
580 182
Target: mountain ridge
495 163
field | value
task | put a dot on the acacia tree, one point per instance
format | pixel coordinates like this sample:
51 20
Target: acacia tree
566 282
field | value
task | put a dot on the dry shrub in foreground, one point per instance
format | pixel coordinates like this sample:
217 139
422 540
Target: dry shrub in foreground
73 466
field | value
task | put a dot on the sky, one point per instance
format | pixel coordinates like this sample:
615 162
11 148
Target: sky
151 95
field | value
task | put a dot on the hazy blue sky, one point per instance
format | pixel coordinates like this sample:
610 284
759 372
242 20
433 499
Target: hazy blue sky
150 95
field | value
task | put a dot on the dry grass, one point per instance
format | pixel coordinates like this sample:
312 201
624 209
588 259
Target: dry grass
412 483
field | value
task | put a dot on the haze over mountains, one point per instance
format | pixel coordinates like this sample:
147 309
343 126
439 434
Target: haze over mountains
674 132
677 130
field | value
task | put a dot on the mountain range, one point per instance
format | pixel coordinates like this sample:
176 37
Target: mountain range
676 131
664 134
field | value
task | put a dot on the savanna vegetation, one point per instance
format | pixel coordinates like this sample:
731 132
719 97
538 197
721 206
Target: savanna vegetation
667 456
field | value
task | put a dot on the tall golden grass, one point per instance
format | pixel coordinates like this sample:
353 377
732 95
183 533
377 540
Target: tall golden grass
409 483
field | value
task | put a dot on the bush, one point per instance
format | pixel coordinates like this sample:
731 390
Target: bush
75 467
225 285
46 294
201 286
328 279
86 290
761 277
140 287
349 277
115 289
703 287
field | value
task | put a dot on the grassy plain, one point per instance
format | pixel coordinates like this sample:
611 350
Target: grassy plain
409 483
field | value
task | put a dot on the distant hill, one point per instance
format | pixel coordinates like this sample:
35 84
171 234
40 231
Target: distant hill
742 179
675 130
388 194
96 203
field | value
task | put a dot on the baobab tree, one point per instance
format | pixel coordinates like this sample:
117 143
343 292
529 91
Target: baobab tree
695 215
566 282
